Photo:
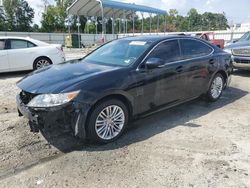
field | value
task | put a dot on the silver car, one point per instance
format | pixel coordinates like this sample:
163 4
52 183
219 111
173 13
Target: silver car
240 50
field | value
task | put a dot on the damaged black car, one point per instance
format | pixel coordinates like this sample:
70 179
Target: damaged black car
96 97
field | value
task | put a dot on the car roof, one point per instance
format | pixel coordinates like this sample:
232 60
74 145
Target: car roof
37 42
156 38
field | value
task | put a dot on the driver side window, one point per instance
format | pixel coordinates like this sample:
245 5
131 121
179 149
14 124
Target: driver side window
168 51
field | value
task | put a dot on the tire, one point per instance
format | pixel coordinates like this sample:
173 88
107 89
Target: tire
103 129
216 88
41 62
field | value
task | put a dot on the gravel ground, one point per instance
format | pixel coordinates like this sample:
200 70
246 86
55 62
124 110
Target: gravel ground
197 144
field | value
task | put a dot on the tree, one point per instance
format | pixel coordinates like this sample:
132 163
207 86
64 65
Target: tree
19 15
55 18
2 19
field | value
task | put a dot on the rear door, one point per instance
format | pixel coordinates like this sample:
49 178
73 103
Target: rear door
197 57
20 54
4 62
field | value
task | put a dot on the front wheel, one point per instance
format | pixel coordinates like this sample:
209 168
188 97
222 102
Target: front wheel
107 121
216 88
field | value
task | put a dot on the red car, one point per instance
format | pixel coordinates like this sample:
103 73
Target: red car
209 36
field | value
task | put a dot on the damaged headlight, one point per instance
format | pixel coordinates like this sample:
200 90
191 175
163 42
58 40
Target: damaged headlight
52 100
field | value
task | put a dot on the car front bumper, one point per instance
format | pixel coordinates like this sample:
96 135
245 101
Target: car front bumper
71 116
241 62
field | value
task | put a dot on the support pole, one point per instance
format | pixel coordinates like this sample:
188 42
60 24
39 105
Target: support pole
165 25
79 34
142 29
158 23
103 24
150 23
96 25
119 25
124 23
133 23
113 24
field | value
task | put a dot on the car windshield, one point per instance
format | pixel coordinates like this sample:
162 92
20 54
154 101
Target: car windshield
119 52
245 37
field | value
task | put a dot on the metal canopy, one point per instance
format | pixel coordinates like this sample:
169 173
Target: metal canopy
109 8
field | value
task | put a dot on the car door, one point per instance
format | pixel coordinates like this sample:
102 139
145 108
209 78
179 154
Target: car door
197 57
4 62
163 85
20 54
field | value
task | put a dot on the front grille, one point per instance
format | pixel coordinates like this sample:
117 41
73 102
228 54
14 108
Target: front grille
241 52
242 61
26 97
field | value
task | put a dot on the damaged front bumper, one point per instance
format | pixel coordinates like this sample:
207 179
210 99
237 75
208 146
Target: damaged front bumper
71 116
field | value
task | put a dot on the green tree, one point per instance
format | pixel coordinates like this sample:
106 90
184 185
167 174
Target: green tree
19 15
2 19
55 18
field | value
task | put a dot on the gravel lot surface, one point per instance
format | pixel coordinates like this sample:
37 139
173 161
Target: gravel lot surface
197 144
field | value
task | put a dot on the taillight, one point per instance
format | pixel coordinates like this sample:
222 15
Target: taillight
60 48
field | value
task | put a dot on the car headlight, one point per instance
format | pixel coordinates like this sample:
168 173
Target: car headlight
228 51
52 100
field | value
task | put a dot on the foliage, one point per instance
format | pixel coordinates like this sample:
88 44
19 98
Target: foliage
18 15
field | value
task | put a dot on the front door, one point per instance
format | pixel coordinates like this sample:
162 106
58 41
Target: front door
20 54
4 62
162 85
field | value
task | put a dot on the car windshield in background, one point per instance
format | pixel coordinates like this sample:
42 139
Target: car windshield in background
245 37
119 53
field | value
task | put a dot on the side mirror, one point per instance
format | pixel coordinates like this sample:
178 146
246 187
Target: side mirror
153 63
234 41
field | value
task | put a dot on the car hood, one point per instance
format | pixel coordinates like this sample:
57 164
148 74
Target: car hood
57 78
238 45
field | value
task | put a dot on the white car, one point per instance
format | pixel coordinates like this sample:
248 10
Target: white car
18 53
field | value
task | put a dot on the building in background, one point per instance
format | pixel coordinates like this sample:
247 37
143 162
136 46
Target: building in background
244 27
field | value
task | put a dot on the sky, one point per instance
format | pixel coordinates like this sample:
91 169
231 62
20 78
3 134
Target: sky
236 10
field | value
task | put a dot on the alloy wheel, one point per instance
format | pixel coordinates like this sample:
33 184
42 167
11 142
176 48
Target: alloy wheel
217 87
110 122
42 63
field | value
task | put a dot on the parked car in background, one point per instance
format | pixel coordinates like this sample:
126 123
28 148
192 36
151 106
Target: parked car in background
128 78
240 50
18 54
244 40
209 36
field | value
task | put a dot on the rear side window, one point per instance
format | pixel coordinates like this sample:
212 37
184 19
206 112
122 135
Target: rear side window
2 44
168 51
20 44
194 48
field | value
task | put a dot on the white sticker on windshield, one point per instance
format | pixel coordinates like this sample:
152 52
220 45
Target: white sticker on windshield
138 43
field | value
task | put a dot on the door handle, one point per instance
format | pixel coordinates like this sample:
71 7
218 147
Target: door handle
179 69
211 61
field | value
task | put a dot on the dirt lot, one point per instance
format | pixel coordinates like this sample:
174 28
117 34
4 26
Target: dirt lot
197 144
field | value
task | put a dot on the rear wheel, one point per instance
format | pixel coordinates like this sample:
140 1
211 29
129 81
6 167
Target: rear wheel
216 88
107 121
41 62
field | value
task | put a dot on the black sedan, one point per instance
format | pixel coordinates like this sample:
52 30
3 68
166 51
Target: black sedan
97 96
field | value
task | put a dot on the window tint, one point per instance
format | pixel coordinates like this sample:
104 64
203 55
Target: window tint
168 51
19 44
193 48
2 44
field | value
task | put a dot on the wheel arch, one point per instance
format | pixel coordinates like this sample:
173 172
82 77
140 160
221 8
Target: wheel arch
224 74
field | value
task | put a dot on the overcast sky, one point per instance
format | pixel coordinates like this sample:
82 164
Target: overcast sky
236 10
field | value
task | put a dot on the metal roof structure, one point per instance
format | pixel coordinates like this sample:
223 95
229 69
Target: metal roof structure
115 10
109 8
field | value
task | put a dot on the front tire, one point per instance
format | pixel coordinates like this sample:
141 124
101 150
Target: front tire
216 88
107 121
